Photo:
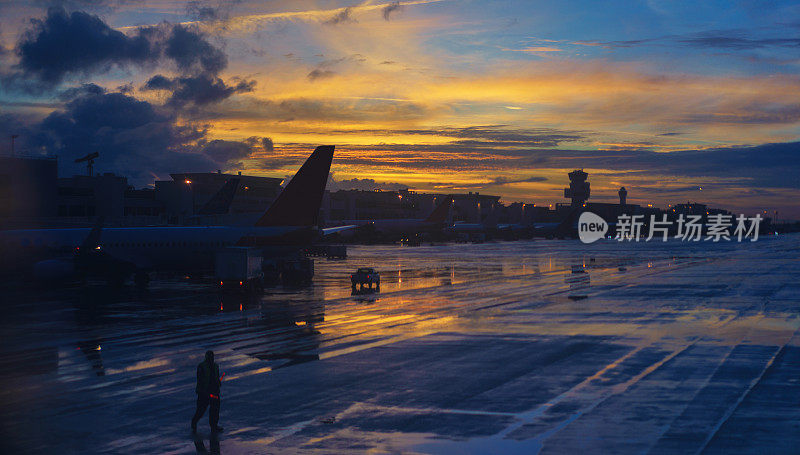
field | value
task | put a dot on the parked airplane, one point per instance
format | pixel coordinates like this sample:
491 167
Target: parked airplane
289 224
489 224
434 222
220 203
568 227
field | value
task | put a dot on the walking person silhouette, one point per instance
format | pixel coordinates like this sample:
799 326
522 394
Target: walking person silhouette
208 384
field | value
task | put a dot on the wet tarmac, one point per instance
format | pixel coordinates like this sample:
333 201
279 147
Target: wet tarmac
518 347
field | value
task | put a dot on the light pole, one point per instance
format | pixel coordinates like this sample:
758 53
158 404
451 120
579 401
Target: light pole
13 136
191 189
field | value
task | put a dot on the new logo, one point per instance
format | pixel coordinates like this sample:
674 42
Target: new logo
591 227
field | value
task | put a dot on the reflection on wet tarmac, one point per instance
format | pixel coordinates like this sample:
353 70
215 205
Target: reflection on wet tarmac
578 280
549 346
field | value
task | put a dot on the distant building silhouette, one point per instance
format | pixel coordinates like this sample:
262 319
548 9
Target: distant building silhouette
578 189
474 207
28 189
187 193
32 195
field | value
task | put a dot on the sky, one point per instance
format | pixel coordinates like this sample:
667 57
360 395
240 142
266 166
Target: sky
676 101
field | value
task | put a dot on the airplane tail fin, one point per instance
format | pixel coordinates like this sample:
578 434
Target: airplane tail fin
220 203
92 240
299 203
439 214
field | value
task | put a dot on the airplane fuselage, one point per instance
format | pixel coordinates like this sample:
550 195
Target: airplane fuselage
150 248
397 226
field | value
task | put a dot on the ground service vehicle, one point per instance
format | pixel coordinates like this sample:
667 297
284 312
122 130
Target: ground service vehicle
365 276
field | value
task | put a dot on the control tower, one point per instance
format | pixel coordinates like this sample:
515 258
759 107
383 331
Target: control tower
578 189
623 196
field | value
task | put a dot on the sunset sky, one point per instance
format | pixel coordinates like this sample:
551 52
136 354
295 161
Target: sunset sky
676 101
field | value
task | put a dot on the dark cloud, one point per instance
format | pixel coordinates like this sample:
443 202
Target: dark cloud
264 143
323 69
134 137
736 40
320 74
717 39
125 88
192 52
506 180
490 136
363 184
197 90
341 17
64 45
85 89
393 7
222 151
267 144
493 182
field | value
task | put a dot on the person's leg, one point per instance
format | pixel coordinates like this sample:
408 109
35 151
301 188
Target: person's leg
202 404
213 413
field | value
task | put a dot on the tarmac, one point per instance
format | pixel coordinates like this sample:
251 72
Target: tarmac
545 346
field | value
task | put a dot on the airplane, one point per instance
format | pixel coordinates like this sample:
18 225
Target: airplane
487 225
290 223
434 222
568 227
220 203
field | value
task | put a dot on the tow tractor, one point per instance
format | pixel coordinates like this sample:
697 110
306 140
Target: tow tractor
366 276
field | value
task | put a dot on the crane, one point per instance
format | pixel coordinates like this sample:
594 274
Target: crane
89 159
